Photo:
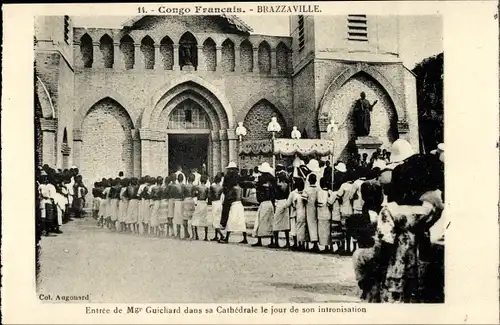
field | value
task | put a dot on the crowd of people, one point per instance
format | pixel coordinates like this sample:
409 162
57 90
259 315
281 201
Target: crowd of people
386 211
61 197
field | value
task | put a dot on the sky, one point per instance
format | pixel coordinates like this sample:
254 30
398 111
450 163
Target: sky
422 36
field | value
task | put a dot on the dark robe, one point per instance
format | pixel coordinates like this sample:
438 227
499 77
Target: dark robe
362 117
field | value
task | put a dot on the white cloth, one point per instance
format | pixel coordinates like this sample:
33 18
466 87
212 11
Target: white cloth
216 213
177 174
236 221
197 177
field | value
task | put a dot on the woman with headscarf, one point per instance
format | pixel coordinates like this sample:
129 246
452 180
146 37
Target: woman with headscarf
265 196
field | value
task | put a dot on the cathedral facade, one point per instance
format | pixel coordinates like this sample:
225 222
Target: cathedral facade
163 91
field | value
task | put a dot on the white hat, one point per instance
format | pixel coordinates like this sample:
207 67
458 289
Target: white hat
313 165
433 152
341 167
401 150
440 147
232 164
74 167
379 163
266 168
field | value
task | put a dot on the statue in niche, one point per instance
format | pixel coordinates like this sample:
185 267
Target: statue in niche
362 118
187 54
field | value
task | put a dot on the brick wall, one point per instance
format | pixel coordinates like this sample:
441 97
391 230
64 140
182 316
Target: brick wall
246 57
148 52
127 50
167 54
282 59
227 56
258 118
304 103
47 64
107 145
264 58
209 53
107 51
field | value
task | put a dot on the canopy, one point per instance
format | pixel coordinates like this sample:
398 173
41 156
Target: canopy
303 147
288 147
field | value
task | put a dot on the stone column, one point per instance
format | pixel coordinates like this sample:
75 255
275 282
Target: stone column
274 69
176 66
158 60
237 59
233 145
77 147
138 58
145 151
255 60
218 55
201 59
210 158
98 57
216 161
136 153
117 57
224 148
165 156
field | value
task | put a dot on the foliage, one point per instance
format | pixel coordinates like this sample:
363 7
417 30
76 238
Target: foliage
430 76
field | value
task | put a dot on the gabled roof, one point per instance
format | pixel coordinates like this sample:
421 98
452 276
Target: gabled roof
232 20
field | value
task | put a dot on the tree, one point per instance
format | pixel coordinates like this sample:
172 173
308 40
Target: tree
429 74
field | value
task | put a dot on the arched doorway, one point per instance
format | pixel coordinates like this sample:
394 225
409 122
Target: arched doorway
189 130
190 125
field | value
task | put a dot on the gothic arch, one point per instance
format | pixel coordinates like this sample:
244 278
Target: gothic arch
271 99
164 94
95 98
48 110
164 116
350 72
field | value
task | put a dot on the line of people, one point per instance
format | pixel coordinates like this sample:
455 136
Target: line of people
60 196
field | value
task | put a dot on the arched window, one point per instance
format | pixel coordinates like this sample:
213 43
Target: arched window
148 50
188 51
264 57
209 53
246 56
167 52
107 50
87 50
227 56
282 58
128 50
